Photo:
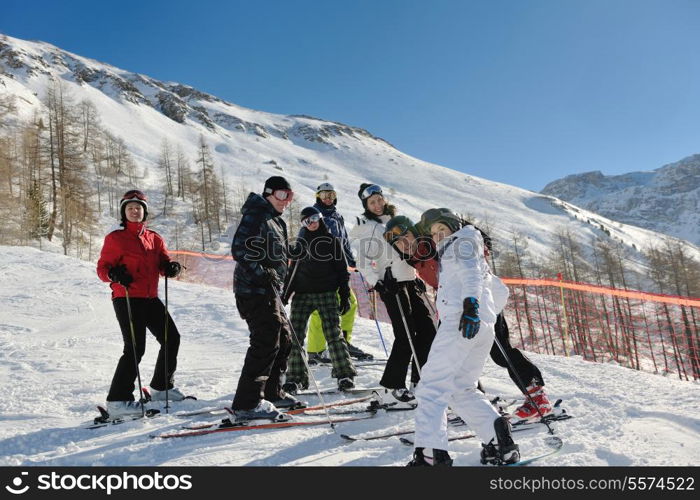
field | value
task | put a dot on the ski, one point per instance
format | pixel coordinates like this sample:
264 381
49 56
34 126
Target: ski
356 390
357 363
104 420
557 413
410 442
553 442
387 435
297 411
243 426
524 427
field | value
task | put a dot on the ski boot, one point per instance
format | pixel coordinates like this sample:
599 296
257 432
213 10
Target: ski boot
345 384
264 411
174 394
357 353
316 358
528 410
288 402
439 458
506 451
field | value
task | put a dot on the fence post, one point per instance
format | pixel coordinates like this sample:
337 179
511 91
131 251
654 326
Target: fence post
565 322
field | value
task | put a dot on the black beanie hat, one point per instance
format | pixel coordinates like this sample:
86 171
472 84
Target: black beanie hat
308 212
273 184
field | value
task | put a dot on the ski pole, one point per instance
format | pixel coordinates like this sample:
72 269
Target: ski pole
390 275
165 346
303 358
133 346
521 385
374 310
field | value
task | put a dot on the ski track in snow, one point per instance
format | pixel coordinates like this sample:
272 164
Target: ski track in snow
59 344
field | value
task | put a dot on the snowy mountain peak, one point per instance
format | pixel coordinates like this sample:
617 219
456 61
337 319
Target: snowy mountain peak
26 61
666 200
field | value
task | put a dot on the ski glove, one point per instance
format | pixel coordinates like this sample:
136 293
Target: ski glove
469 323
172 269
344 302
388 285
273 279
119 274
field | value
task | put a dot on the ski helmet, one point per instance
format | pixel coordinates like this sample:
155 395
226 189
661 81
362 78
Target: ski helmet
397 227
443 215
138 197
328 188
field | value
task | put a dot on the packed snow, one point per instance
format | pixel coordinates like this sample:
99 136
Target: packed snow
59 344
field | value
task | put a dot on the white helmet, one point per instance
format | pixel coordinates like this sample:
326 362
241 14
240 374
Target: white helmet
326 186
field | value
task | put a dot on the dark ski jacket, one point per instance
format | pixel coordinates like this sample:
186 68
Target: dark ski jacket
336 225
260 243
320 264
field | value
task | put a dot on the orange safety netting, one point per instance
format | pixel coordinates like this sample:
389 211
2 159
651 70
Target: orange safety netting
640 330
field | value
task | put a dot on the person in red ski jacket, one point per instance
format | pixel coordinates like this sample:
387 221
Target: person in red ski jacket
133 258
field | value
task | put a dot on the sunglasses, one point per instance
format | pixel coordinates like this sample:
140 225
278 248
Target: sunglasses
370 190
310 220
327 195
395 233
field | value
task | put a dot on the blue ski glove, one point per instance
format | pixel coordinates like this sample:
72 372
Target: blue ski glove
469 323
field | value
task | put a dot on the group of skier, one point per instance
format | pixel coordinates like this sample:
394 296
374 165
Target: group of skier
444 341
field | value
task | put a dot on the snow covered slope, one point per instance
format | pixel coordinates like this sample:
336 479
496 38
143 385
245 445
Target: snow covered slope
252 145
59 344
666 200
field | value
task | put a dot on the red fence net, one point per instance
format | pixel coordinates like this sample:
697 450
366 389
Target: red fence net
640 330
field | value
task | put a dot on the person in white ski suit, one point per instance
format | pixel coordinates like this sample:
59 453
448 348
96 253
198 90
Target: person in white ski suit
399 289
450 376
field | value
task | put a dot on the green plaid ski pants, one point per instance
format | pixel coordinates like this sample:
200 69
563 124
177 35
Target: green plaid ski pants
326 303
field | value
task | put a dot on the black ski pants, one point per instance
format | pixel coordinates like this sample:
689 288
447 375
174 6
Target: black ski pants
146 313
524 368
420 327
270 344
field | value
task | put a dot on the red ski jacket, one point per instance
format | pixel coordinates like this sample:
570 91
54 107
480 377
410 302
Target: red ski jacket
142 251
425 262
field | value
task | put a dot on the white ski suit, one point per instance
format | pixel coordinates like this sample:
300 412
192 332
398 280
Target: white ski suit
375 254
450 376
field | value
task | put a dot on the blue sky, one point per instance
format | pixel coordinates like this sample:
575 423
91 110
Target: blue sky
521 91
